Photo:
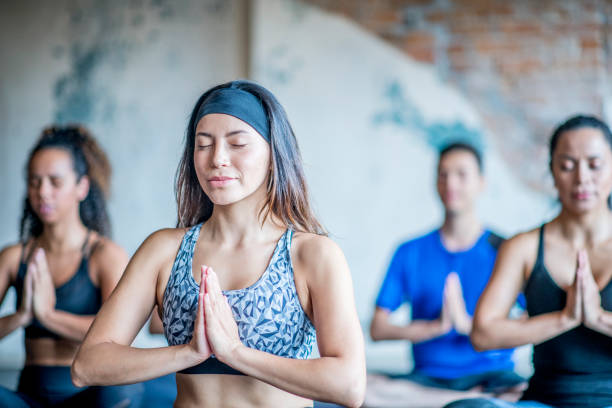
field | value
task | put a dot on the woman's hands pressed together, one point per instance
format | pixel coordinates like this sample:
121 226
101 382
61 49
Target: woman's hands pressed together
221 328
583 304
592 309
215 331
43 297
199 341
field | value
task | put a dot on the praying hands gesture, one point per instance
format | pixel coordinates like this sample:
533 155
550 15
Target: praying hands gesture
42 283
454 313
583 304
215 330
26 308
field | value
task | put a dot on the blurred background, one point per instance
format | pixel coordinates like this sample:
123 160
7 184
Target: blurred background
372 89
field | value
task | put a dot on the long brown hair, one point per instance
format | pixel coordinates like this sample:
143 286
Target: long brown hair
287 193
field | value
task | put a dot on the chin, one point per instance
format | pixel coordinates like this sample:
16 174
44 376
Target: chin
47 218
582 208
453 208
224 198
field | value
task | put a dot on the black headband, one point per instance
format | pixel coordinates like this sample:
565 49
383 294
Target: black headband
240 104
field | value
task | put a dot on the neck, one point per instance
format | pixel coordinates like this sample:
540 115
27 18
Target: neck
235 224
460 230
64 235
588 229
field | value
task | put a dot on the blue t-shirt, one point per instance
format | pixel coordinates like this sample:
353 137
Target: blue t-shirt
416 275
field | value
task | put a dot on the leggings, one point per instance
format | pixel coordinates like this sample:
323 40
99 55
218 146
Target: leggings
51 386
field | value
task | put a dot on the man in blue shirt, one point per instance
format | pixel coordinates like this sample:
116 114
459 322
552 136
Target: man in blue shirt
442 275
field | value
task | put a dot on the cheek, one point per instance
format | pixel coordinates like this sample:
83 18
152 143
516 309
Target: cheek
605 181
255 165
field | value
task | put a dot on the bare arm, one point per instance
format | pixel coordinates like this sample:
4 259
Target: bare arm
595 317
416 331
155 323
109 261
602 324
492 328
9 262
105 356
339 374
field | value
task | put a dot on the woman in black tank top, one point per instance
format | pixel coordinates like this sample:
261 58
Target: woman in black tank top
565 270
62 270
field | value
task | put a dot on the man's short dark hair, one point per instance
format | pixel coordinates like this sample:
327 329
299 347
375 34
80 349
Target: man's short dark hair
465 147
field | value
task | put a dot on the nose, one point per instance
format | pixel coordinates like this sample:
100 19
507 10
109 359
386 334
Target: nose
44 188
220 157
582 172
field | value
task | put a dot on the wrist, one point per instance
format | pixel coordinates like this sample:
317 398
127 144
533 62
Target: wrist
592 320
464 326
567 323
24 317
189 355
45 316
439 327
232 354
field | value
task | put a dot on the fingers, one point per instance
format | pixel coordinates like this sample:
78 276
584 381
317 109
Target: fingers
214 288
40 258
208 311
203 270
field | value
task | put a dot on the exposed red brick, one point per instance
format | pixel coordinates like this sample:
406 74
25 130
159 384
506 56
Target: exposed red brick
438 16
403 3
539 61
590 42
418 39
422 54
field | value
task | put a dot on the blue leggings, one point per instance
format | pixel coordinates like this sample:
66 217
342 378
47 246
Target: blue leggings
494 403
51 386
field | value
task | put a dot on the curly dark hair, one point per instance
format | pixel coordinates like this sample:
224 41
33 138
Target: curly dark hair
88 159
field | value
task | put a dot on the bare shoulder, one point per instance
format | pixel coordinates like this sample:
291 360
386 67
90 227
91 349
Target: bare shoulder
522 243
165 240
158 245
105 248
11 253
318 260
310 249
519 254
9 259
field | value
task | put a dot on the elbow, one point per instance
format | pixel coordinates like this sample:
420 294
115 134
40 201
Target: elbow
375 335
355 392
79 373
479 337
375 332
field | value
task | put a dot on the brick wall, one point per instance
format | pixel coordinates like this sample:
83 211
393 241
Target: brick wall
524 64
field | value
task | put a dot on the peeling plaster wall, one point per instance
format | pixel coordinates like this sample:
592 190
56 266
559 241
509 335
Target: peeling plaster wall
129 70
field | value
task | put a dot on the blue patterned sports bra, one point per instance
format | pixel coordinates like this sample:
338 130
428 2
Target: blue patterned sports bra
268 313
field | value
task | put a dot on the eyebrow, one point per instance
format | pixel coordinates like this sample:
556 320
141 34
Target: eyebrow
232 133
36 175
568 157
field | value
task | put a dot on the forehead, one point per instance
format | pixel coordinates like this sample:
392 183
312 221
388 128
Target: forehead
51 160
458 158
582 141
221 123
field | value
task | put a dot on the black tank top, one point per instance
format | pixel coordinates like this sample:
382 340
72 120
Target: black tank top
573 369
78 295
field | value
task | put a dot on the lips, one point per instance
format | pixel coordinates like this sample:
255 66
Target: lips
45 209
220 181
582 195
